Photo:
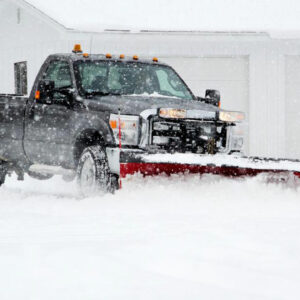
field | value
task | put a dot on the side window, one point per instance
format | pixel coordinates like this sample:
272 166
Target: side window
59 72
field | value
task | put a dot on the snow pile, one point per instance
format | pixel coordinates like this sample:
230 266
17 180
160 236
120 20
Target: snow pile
154 95
158 238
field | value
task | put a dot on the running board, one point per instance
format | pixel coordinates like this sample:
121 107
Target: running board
53 170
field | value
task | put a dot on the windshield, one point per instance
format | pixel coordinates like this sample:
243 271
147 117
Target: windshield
129 78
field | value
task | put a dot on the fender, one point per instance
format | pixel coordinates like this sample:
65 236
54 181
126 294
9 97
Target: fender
92 121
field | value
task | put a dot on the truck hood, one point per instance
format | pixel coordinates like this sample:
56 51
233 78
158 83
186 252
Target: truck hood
134 105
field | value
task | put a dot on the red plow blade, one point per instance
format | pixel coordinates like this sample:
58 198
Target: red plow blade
226 165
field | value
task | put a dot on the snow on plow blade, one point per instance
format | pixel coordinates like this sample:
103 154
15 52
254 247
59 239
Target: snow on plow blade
227 165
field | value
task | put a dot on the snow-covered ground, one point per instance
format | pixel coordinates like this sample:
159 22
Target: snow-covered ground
158 238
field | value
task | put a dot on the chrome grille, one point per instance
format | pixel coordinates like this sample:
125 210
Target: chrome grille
188 136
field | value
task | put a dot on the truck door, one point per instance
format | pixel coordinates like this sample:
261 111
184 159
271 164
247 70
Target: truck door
47 133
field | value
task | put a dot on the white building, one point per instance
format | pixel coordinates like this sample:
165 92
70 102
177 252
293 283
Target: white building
255 72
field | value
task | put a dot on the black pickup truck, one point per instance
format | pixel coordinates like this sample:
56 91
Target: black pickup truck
83 109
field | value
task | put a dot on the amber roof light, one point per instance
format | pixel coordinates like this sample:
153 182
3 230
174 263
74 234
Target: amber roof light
122 56
108 55
85 55
135 57
77 48
155 59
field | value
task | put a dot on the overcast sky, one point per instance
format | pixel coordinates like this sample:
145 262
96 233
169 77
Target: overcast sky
236 15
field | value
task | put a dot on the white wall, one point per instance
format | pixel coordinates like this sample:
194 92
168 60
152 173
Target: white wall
26 38
292 105
228 74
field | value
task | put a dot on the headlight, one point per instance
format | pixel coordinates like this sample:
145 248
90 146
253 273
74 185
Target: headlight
129 128
231 116
172 113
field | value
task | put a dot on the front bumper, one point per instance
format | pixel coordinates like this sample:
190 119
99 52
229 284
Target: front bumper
130 161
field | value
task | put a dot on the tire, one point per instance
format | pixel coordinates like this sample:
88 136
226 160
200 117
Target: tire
93 174
3 173
2 179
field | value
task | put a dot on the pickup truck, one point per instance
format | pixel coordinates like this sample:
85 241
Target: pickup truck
84 110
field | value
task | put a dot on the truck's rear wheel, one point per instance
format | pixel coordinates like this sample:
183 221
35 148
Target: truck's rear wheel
93 174
3 172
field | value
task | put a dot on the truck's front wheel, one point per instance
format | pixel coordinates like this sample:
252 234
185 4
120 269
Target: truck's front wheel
93 174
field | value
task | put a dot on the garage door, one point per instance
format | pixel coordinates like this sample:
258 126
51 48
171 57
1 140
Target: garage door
292 104
229 75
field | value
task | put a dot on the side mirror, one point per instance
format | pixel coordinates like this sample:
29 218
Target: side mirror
46 91
212 97
215 94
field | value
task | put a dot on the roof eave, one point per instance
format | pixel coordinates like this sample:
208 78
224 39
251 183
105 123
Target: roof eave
171 32
40 14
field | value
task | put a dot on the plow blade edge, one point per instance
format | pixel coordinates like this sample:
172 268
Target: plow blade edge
227 165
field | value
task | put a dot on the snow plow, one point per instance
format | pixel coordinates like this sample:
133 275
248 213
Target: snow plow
226 165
